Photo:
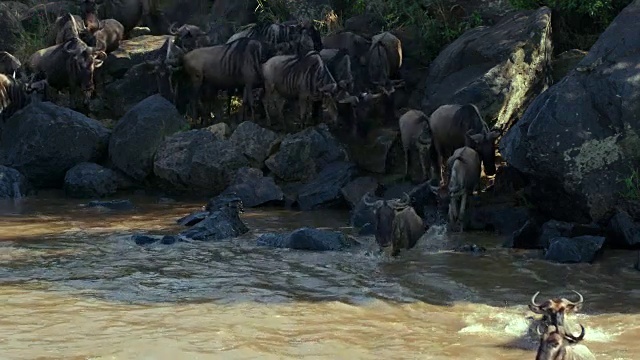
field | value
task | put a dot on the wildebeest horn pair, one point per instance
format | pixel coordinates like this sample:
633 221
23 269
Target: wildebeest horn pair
395 203
535 307
567 335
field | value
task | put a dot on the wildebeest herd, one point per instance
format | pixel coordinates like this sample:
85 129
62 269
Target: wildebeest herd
274 64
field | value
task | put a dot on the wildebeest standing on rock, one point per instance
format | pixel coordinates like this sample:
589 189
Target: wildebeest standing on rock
189 37
383 61
414 124
129 13
69 66
557 344
464 170
454 126
9 64
14 95
110 32
66 27
284 39
222 67
397 224
354 44
305 78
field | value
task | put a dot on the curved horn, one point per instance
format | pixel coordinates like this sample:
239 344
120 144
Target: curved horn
172 29
533 300
406 200
538 329
366 199
575 338
579 301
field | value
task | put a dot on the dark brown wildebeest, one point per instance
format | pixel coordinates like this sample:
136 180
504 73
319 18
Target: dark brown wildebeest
284 39
455 126
189 37
464 176
397 224
303 78
414 124
355 45
69 66
9 64
558 344
14 95
129 13
553 311
222 67
109 31
384 60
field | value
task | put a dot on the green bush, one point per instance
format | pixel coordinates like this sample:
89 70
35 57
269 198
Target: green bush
577 23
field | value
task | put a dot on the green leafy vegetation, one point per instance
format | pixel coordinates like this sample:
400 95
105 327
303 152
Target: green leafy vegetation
632 185
577 23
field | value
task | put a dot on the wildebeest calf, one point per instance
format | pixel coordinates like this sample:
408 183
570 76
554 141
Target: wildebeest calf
414 125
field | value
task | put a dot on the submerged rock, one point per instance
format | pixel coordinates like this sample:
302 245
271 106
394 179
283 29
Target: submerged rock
140 132
112 204
222 222
498 68
574 250
193 218
578 140
308 239
12 183
254 188
44 141
146 239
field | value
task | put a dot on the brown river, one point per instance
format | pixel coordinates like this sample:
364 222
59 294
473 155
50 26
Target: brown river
73 285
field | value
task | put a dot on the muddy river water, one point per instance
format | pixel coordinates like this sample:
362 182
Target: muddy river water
74 286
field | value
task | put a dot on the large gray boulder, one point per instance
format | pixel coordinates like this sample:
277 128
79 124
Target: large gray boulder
134 51
254 189
197 160
302 155
138 134
44 140
578 141
255 141
119 96
498 68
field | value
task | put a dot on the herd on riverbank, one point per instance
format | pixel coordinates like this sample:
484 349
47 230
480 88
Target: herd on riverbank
570 152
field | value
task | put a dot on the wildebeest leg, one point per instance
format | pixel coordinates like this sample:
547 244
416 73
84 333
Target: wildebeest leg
247 103
406 163
463 205
280 102
302 104
422 157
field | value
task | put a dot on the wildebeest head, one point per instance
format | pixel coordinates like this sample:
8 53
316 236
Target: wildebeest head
554 343
329 99
88 8
83 61
484 144
307 28
186 36
385 213
554 310
9 64
174 54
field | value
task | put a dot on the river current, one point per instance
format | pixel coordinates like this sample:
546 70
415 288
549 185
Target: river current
73 285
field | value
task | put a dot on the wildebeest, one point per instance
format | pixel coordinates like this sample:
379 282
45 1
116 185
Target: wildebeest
454 126
384 60
190 37
129 13
464 176
558 344
69 66
338 62
305 78
284 39
414 124
88 9
14 94
9 64
397 224
110 32
355 45
66 27
553 311
222 67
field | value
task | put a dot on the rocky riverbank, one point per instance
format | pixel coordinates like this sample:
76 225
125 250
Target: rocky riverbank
568 183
